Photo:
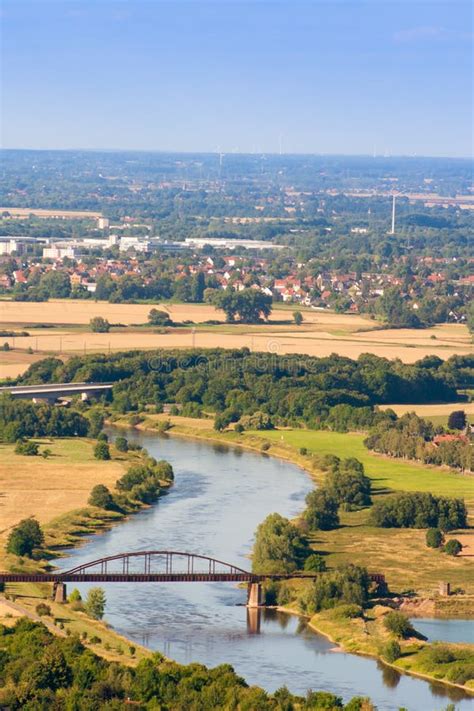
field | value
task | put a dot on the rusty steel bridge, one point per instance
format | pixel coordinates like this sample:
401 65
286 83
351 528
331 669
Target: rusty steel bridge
158 567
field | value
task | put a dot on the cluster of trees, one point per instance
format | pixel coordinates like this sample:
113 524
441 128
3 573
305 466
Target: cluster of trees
347 585
20 419
141 483
345 485
419 510
279 546
248 305
411 437
435 539
40 671
289 388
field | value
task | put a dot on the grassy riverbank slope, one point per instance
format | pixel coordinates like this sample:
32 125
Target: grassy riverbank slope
55 491
401 554
449 663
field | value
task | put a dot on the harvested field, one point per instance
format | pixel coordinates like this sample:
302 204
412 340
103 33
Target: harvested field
15 362
321 334
439 410
47 488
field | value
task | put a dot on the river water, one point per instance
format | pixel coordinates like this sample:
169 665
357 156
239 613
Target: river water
220 496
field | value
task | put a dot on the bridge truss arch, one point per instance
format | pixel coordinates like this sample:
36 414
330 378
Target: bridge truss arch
162 563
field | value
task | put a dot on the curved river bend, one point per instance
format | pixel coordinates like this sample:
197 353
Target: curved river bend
219 497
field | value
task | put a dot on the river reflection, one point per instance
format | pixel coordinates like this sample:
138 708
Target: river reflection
220 496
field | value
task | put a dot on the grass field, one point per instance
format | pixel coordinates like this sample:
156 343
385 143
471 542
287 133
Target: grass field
48 488
400 553
321 334
385 472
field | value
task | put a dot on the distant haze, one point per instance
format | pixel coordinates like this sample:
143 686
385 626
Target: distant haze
349 77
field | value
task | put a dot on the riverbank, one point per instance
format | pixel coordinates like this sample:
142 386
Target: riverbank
410 567
65 477
367 636
158 455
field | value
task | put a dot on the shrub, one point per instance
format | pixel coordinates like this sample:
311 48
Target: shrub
100 496
159 318
99 325
239 428
457 420
42 609
397 623
434 538
265 446
315 563
102 451
303 451
75 596
348 611
453 547
392 651
27 448
121 443
135 420
163 425
102 437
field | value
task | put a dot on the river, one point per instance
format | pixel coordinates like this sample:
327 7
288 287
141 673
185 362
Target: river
220 496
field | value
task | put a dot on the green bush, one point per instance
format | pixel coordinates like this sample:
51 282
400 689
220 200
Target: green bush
27 448
121 444
348 611
392 651
453 547
43 610
315 563
397 623
102 451
101 497
434 538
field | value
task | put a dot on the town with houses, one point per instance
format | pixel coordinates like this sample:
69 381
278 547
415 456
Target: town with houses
224 263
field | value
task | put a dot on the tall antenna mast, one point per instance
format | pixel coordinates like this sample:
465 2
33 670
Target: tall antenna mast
392 231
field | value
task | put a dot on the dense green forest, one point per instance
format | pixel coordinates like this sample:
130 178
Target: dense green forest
40 672
290 388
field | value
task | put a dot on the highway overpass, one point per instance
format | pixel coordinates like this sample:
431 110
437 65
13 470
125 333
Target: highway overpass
53 391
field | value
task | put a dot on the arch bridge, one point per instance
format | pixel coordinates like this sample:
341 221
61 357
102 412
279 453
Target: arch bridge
160 566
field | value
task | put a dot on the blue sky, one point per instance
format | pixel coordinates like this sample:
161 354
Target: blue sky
321 77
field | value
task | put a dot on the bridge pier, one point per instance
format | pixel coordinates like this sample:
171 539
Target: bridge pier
254 595
59 592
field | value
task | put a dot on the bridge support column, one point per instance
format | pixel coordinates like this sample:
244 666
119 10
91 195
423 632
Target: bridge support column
59 592
254 595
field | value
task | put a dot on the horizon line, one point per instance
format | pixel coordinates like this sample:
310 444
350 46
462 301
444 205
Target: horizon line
241 153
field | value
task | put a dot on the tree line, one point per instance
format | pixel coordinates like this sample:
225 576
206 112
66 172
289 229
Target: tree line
39 671
411 437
